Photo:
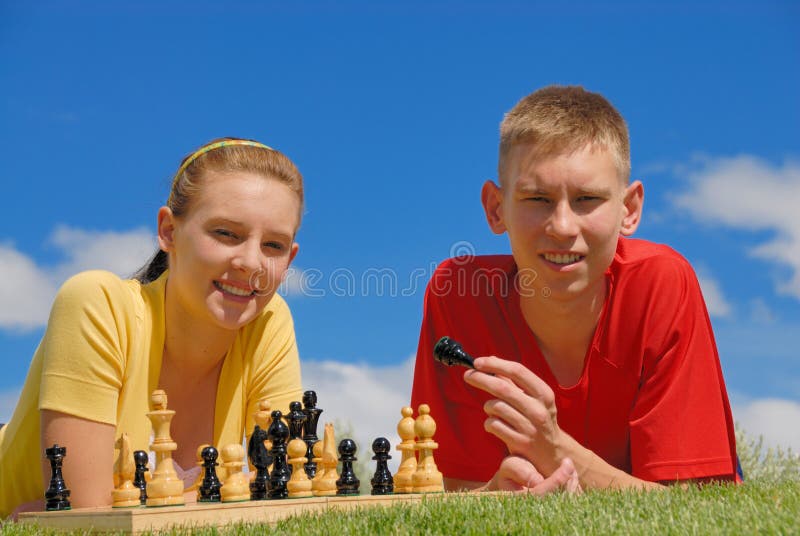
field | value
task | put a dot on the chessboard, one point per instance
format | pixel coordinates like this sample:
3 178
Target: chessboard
141 519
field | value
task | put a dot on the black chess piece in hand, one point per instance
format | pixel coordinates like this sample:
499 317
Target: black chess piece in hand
382 482
449 352
57 495
209 488
348 483
140 459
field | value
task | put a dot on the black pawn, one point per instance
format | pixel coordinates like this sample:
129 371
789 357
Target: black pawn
278 433
348 483
449 352
296 419
382 481
140 459
209 487
310 430
57 495
261 459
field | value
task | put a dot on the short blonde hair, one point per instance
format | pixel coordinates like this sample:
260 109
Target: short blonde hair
559 119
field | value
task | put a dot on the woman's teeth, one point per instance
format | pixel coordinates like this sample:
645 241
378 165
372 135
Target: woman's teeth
236 291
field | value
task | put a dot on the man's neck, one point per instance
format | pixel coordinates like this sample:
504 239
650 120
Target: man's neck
564 328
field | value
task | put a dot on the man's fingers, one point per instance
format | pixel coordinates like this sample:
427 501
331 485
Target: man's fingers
565 477
518 374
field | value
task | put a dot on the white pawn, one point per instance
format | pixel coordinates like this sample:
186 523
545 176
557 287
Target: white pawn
427 477
299 484
236 486
408 462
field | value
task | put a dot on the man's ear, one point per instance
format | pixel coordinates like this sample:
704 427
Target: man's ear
634 202
293 252
492 200
166 229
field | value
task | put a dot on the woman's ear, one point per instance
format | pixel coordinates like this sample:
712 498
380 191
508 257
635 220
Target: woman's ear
492 200
166 229
633 202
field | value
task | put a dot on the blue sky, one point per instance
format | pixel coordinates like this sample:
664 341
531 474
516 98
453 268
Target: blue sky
391 111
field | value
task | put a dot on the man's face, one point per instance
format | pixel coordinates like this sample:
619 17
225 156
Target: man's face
563 215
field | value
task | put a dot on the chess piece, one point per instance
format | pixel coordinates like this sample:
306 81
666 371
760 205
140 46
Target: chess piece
299 484
57 495
235 488
165 488
278 433
141 460
449 352
327 482
296 419
199 462
209 490
310 430
261 459
320 473
427 477
408 461
348 483
382 482
125 494
263 419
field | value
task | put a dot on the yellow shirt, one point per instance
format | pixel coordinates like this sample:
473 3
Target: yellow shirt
100 359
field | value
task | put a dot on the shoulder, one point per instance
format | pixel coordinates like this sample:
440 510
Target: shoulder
472 274
642 262
95 286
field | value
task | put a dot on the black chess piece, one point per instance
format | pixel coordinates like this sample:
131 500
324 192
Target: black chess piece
261 459
382 482
209 487
449 352
296 419
348 483
141 460
278 433
310 430
57 495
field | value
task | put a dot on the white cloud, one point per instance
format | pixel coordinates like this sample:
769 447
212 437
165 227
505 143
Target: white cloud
775 419
761 313
712 294
748 193
367 397
27 289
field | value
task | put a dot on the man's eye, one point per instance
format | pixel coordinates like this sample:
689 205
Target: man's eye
588 198
273 245
537 199
224 232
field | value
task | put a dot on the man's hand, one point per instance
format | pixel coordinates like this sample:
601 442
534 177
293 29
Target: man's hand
519 475
523 414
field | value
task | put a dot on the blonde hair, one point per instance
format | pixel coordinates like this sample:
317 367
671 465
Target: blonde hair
222 155
559 119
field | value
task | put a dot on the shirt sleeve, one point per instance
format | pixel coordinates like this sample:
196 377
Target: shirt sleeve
456 407
681 425
275 364
85 347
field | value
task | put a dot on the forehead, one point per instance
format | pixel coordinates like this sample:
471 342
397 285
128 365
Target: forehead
248 196
527 166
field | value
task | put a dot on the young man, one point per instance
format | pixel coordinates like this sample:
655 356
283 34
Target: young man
607 374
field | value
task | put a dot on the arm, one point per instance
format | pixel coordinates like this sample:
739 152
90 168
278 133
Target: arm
523 416
88 465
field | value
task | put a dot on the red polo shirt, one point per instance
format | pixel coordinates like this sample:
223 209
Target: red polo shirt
651 399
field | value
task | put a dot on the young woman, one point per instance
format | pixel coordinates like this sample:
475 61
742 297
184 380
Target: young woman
200 321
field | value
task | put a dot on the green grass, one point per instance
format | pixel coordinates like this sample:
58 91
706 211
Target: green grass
768 503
